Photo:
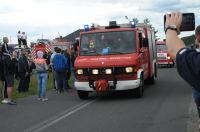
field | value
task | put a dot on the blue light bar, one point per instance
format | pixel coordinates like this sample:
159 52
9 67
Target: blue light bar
86 28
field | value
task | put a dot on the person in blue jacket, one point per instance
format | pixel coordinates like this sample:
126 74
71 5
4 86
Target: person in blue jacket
187 59
61 67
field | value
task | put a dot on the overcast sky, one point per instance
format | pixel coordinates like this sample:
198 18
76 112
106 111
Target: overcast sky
61 17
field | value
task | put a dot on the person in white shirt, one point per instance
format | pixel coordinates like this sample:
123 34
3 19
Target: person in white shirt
24 39
54 73
19 37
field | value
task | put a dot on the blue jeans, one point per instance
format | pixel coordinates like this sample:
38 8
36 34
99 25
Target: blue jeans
196 96
42 84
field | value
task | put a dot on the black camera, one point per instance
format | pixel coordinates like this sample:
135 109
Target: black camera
188 22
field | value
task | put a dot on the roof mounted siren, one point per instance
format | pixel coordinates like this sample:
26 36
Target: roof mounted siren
112 24
133 24
86 28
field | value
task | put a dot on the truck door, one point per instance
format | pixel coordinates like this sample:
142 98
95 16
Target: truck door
144 52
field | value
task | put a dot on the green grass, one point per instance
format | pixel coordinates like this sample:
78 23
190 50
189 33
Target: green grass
32 88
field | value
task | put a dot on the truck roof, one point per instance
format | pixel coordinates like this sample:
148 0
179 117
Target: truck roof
125 26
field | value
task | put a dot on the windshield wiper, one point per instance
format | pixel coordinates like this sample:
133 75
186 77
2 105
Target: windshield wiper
90 51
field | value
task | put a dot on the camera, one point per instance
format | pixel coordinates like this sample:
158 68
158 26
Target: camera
188 22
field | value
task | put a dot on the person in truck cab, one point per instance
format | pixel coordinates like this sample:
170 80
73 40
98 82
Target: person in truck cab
187 59
91 46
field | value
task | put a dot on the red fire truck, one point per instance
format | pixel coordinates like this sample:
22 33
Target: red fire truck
163 57
114 58
41 45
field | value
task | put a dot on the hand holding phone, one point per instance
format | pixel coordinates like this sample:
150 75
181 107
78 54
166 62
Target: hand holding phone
188 22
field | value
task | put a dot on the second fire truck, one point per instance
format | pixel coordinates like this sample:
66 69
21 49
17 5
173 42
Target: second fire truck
163 57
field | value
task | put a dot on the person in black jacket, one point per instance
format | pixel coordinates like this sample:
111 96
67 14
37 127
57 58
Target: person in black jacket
67 55
5 48
9 63
187 59
23 71
31 66
2 77
1 64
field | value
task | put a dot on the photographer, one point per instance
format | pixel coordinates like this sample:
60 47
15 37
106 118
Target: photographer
187 60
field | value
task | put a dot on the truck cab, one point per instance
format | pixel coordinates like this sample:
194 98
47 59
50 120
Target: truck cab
115 58
163 57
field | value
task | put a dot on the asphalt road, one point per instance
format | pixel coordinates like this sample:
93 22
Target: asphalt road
164 108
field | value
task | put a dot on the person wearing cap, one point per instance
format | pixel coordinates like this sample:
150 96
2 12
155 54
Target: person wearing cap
187 59
42 75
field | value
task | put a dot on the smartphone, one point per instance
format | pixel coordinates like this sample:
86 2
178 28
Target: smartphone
188 22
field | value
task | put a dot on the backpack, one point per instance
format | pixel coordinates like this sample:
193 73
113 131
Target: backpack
60 63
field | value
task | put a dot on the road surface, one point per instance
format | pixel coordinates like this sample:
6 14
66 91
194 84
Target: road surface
164 108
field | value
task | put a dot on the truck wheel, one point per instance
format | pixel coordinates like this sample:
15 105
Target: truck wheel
140 90
172 65
83 94
152 79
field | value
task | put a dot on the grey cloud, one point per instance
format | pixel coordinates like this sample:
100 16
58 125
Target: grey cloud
165 6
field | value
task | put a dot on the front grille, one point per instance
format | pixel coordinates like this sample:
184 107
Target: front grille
102 71
162 58
118 73
119 70
115 70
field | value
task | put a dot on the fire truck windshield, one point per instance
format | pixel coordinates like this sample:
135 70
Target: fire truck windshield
107 43
161 47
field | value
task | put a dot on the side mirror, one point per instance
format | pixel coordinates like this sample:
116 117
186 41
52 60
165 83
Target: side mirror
146 42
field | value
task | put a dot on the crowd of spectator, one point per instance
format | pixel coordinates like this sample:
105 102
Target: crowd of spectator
22 65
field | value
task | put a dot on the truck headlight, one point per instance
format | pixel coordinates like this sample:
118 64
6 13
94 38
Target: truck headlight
79 71
108 71
95 71
168 57
129 69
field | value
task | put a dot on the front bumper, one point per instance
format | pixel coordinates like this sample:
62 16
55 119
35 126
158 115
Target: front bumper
165 62
121 85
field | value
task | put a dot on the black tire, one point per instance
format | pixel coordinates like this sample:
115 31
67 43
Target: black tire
140 90
83 94
152 80
173 65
